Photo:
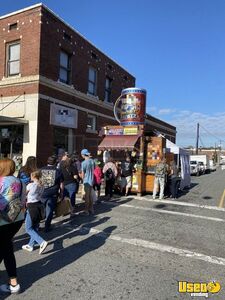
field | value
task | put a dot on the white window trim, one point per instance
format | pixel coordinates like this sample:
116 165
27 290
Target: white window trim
7 75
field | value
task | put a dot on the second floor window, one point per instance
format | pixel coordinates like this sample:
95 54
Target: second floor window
65 67
92 81
108 89
91 123
13 59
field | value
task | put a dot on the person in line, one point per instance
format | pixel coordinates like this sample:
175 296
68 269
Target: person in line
76 160
172 179
77 163
29 167
126 175
87 175
71 183
97 178
34 213
161 170
52 180
110 173
11 188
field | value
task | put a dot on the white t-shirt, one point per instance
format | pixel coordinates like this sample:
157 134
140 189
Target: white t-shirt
34 192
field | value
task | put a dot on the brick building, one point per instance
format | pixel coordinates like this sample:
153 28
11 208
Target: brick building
56 88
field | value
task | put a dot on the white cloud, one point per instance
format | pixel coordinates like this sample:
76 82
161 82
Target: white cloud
212 126
151 109
166 111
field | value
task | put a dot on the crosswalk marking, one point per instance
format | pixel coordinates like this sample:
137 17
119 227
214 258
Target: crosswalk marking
161 248
163 211
175 202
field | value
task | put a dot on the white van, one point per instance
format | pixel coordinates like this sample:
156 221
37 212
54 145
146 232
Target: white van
203 160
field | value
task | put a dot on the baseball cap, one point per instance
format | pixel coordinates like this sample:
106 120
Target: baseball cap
85 152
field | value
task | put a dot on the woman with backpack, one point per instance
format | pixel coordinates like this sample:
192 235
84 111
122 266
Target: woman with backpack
26 170
110 174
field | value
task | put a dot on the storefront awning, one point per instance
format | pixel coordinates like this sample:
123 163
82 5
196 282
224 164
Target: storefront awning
11 121
119 142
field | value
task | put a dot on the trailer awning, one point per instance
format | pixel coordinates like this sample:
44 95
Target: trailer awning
118 142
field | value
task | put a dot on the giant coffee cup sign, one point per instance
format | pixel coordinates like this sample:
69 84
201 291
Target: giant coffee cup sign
129 108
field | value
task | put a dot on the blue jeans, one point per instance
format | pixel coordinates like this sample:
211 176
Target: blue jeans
70 191
32 231
50 205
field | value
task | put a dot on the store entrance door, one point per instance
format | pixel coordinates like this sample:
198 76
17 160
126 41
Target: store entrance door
60 140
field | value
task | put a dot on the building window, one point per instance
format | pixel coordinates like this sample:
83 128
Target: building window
91 123
93 55
92 81
13 59
65 67
108 89
13 26
67 37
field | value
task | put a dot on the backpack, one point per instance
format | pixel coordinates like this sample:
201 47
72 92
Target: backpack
24 177
109 174
160 170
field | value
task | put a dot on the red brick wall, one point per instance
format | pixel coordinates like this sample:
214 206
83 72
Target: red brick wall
28 33
52 41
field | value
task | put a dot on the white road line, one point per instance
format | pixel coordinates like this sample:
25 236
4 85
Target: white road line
162 248
163 211
174 202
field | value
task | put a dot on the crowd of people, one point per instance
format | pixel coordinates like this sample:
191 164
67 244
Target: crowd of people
39 191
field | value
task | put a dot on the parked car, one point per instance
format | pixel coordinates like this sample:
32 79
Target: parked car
195 167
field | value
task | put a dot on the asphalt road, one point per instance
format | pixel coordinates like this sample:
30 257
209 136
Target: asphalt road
133 248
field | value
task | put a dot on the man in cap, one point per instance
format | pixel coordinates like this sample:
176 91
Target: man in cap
87 174
52 180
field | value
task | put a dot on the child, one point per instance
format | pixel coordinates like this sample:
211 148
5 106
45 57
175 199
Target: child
34 214
97 178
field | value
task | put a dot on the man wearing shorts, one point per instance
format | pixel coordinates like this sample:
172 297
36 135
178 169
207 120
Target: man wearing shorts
126 175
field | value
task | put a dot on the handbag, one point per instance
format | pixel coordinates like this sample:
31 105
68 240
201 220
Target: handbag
63 207
12 209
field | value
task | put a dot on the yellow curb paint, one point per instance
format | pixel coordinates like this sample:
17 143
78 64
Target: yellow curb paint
221 204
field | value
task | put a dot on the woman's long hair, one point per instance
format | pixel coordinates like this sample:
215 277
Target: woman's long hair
30 165
7 167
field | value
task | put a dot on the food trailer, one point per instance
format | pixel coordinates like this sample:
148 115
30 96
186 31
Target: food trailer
144 149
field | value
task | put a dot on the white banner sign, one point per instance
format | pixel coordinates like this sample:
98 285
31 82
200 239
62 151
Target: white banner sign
63 116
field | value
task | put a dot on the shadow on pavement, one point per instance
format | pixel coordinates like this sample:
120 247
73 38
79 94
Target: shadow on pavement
60 257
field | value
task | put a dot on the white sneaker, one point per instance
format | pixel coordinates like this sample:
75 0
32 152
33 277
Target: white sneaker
8 288
43 246
27 248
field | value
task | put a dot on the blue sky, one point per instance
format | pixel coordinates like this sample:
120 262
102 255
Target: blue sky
174 48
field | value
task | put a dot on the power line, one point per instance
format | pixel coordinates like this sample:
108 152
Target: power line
222 140
201 142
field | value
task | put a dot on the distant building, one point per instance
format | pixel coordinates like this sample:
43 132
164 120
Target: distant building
56 88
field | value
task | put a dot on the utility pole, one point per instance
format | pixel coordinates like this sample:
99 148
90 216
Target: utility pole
219 152
196 150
